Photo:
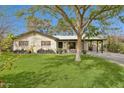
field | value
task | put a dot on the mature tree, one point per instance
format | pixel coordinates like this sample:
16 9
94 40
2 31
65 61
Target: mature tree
80 18
36 24
33 22
63 28
84 16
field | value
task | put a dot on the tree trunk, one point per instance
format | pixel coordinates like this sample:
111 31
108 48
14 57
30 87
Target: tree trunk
78 48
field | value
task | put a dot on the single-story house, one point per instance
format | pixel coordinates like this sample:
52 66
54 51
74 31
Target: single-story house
34 41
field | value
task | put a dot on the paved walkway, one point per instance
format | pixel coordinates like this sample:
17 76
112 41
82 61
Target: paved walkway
114 57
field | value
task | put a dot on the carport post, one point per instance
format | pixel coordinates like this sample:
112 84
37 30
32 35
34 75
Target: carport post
97 46
102 46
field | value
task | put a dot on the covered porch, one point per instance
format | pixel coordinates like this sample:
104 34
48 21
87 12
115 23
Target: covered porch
87 45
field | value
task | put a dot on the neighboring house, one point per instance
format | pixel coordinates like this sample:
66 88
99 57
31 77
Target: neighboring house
36 40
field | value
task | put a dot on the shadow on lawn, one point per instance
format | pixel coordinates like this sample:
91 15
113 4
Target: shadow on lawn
61 71
26 79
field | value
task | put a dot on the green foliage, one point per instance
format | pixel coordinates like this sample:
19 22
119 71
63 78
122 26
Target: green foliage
6 43
34 23
7 59
20 13
79 18
92 31
84 51
63 27
75 17
121 18
116 48
115 45
60 71
122 48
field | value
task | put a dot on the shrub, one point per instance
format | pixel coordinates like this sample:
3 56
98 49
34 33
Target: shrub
64 51
114 48
6 43
90 48
50 51
42 51
122 48
84 51
59 51
22 51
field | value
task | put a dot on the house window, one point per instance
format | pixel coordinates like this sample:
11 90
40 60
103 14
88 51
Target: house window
45 43
60 45
23 43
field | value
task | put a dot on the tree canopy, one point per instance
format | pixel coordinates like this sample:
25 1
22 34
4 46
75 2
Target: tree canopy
82 19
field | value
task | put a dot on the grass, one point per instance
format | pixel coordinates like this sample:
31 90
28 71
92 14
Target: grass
60 71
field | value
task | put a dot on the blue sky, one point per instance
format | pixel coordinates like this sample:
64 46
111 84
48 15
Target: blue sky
20 25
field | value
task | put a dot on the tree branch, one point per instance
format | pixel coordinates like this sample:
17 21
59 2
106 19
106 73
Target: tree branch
84 11
103 10
65 16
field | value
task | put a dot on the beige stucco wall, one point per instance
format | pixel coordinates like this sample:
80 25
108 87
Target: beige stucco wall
34 42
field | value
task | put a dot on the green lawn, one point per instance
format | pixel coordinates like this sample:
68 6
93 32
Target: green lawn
60 71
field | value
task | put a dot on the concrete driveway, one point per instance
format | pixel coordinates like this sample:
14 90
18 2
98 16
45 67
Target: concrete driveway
113 57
